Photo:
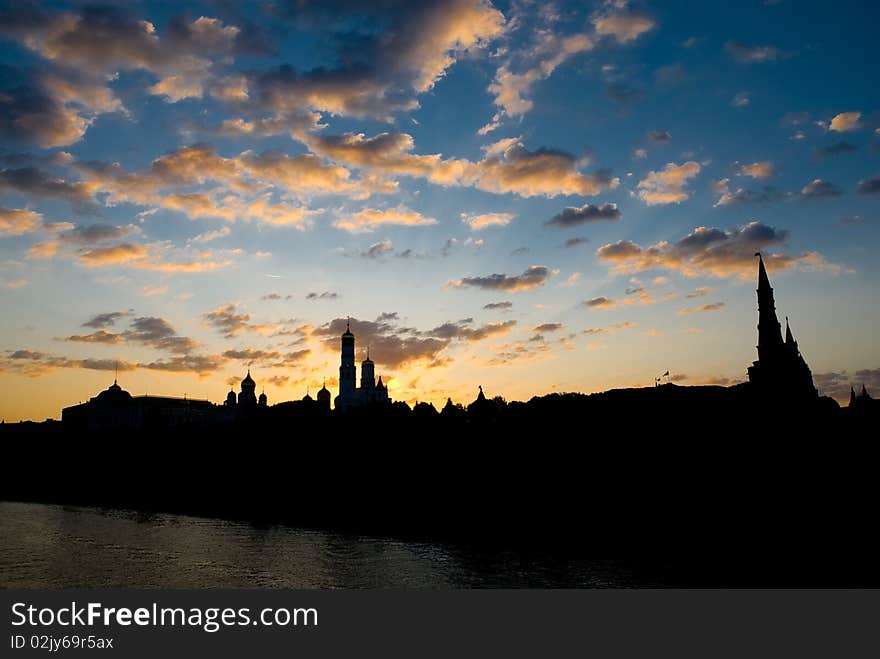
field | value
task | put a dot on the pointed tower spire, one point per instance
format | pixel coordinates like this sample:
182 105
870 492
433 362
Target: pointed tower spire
852 396
769 329
763 280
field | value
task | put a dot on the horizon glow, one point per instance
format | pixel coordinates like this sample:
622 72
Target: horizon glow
533 198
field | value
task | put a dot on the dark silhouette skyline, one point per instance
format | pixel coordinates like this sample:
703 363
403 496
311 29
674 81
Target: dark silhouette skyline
780 374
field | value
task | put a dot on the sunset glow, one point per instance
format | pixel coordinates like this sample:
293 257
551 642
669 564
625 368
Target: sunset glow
531 197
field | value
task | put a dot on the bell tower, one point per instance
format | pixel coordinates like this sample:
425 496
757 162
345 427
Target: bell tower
347 374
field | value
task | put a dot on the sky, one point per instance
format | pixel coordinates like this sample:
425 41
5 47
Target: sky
528 196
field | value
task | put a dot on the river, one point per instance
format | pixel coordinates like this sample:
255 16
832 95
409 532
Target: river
49 546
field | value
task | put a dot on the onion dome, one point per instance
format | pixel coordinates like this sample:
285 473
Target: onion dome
248 382
263 400
323 393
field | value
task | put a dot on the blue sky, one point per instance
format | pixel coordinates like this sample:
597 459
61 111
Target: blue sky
527 196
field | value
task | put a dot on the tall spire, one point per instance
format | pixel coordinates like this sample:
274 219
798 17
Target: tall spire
769 330
763 280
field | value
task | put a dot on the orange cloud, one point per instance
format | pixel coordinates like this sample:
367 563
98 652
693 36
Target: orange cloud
17 221
368 219
759 170
667 185
846 121
479 222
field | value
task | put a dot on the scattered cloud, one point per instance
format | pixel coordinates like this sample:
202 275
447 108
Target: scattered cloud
574 242
611 329
819 189
576 216
712 251
377 250
700 291
845 122
601 303
750 54
869 186
667 185
533 277
546 328
623 25
741 100
18 221
479 222
759 170
658 136
230 321
103 320
729 197
715 306
368 219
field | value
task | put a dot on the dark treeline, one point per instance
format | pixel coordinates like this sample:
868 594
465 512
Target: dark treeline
713 481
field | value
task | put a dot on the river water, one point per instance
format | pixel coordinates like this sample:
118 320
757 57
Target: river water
47 546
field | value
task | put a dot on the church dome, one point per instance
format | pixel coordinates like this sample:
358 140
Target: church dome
347 334
113 394
323 393
248 382
263 400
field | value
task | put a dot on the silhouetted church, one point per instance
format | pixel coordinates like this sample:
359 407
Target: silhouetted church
247 397
370 391
780 369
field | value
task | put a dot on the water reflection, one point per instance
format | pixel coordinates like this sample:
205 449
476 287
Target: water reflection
45 546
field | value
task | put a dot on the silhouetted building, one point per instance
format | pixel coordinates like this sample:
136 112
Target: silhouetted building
248 396
780 369
862 402
116 409
482 407
324 397
347 374
370 392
